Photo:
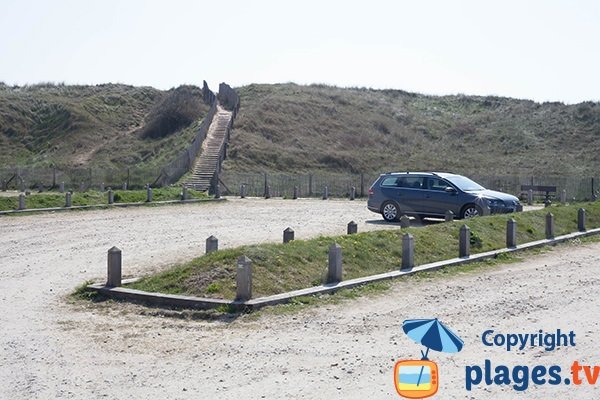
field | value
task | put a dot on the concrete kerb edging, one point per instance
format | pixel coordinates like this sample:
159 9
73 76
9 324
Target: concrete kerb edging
99 206
167 300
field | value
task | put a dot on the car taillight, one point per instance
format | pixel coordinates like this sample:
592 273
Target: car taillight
371 192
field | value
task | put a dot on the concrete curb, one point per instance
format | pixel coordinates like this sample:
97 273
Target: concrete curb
100 206
166 300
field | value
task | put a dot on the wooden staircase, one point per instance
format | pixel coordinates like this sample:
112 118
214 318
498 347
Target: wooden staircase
210 158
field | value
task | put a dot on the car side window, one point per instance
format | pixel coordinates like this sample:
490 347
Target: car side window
390 181
414 182
437 184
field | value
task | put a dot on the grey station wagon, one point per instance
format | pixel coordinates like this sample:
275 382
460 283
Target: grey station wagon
431 194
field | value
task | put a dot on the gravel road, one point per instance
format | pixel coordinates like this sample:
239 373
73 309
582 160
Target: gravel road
51 348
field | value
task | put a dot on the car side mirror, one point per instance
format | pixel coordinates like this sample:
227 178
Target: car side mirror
450 189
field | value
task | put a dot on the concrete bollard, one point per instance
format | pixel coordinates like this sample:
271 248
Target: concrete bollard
295 195
114 267
352 228
449 216
549 226
325 193
124 186
404 221
464 242
334 271
102 187
212 244
530 197
511 233
581 220
243 191
288 235
352 193
184 193
21 201
148 194
68 202
61 187
111 196
408 251
244 279
563 196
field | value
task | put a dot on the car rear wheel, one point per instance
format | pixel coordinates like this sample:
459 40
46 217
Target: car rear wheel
470 211
390 211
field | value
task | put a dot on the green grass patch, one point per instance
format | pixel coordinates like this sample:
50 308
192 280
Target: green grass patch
89 198
299 264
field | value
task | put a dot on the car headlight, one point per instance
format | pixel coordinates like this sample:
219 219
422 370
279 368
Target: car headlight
494 202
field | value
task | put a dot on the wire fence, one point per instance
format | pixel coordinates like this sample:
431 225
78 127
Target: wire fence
78 179
340 185
279 184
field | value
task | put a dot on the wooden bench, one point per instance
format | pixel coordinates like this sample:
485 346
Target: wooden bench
538 189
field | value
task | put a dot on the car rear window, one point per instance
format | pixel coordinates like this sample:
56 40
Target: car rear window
390 181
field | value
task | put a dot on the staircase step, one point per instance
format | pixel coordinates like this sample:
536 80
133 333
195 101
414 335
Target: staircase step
207 161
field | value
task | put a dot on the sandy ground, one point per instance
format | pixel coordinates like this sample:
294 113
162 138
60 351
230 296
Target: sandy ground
51 348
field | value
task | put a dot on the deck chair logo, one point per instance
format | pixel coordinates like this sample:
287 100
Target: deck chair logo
419 379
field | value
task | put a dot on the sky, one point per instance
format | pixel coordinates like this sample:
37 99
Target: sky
539 50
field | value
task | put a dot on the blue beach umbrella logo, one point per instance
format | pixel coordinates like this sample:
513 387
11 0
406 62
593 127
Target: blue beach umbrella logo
432 334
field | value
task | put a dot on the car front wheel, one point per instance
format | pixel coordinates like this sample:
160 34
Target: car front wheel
470 211
390 212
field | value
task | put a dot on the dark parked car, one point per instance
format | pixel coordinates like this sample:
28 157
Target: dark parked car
431 194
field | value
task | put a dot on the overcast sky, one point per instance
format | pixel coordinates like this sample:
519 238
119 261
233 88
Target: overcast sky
540 50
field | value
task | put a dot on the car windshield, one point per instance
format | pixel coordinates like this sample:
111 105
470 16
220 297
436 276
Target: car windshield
464 184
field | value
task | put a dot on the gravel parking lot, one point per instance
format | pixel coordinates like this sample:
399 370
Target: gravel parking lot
52 348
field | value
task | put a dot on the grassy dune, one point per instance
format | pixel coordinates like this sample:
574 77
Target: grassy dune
290 128
104 126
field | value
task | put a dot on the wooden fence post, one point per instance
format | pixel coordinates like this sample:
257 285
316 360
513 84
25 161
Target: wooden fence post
114 267
404 221
449 216
464 242
581 220
334 272
352 228
511 233
212 244
549 226
288 235
21 201
408 251
244 279
184 193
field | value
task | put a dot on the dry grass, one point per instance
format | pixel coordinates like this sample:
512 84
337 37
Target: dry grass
288 127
